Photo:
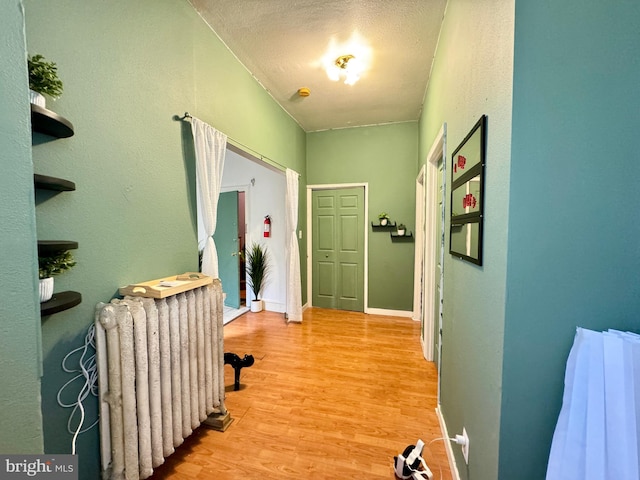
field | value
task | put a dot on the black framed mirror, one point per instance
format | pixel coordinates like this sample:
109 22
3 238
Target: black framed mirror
467 195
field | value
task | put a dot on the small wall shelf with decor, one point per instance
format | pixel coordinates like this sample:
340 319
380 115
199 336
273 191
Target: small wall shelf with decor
50 247
388 226
45 182
407 237
50 123
60 302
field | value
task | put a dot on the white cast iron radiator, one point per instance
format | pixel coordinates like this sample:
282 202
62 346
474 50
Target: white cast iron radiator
161 370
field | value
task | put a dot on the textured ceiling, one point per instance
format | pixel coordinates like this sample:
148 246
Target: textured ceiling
282 42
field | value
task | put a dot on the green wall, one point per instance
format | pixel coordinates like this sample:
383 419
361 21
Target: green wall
20 360
128 69
574 254
386 157
472 76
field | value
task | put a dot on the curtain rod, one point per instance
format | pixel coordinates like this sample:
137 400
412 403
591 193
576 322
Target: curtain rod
247 149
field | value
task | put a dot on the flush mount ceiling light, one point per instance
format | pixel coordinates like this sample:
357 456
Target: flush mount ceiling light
348 66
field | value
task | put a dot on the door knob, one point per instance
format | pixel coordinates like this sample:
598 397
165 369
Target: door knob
326 255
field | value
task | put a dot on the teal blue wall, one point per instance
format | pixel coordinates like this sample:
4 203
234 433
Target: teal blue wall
386 157
20 365
128 69
573 253
472 76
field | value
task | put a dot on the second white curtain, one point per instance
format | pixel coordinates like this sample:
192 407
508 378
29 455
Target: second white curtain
210 148
597 434
294 286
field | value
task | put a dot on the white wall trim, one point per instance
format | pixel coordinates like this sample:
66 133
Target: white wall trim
390 313
432 217
336 186
455 474
419 270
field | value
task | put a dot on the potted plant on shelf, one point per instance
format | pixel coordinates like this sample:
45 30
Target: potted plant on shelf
401 230
257 264
43 80
50 266
383 218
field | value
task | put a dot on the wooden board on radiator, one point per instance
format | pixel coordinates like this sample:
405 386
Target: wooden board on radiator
167 286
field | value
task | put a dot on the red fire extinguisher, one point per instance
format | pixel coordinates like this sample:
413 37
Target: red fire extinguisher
267 226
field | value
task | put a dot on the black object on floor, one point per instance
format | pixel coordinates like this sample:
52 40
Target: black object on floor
237 363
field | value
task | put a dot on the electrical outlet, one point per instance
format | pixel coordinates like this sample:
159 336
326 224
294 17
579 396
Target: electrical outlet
465 446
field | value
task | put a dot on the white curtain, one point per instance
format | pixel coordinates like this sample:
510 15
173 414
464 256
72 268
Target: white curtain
294 286
210 146
597 434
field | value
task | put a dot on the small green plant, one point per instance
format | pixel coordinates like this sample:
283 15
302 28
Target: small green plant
383 215
43 76
257 263
55 264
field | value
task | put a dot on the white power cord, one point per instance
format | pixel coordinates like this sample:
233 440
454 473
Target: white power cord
88 371
460 440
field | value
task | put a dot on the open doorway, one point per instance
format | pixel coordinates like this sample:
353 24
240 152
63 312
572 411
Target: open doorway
230 242
259 190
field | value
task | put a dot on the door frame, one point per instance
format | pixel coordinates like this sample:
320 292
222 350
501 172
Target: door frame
420 251
337 186
432 217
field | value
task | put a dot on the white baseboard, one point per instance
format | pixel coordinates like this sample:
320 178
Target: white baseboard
274 306
390 313
455 475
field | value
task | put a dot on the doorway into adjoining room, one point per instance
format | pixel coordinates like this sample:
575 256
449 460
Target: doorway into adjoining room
251 190
230 243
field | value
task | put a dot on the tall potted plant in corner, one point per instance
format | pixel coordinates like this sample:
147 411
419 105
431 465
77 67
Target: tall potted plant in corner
50 266
257 264
43 80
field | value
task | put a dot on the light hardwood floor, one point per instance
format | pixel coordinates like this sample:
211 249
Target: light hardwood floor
335 397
